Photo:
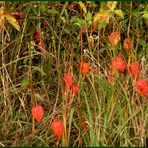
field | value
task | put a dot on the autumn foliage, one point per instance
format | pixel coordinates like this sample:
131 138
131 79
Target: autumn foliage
73 73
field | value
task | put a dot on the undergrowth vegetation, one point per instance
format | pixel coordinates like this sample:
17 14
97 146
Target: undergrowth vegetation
73 73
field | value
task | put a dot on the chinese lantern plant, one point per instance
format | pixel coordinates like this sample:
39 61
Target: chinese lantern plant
83 67
134 69
114 38
75 89
37 112
37 37
57 127
70 84
141 87
110 77
118 64
128 44
68 81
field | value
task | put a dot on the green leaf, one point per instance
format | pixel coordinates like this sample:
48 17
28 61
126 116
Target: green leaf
89 18
135 13
112 5
142 43
81 22
25 83
102 25
70 121
77 24
35 68
120 13
43 7
74 19
103 7
40 138
52 11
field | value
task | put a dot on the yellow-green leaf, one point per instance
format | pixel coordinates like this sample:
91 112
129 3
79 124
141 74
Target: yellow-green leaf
2 20
120 13
103 7
11 19
1 11
101 17
112 5
83 7
145 15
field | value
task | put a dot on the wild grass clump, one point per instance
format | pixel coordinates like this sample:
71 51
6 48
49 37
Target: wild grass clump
73 74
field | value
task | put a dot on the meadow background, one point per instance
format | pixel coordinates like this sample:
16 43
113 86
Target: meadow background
42 47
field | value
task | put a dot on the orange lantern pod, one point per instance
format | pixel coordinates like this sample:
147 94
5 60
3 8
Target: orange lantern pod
57 127
37 112
134 69
141 86
114 38
68 81
84 67
128 44
118 64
